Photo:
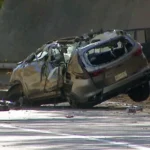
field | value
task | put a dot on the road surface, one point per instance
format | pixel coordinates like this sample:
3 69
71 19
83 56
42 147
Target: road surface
48 128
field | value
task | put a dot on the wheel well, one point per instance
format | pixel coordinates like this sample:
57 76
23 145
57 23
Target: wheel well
22 84
16 84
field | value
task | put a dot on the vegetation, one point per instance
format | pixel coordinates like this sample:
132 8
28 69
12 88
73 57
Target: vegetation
1 3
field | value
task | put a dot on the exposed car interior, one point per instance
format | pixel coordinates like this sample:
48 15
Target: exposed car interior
109 51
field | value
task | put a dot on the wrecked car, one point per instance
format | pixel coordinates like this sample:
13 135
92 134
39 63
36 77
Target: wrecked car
84 71
39 78
113 65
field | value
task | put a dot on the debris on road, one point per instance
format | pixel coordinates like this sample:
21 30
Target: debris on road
134 109
71 115
131 109
139 108
8 105
3 106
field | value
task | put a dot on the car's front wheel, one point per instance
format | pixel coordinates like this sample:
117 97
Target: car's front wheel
15 94
140 93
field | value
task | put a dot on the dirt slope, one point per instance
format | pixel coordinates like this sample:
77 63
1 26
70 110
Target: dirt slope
26 24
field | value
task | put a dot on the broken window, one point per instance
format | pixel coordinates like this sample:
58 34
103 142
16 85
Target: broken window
55 56
40 55
108 51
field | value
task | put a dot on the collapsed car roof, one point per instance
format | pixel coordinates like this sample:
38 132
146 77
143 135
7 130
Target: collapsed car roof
82 40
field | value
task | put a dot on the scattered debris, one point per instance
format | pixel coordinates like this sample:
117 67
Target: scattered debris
134 109
7 105
131 109
139 108
70 115
4 108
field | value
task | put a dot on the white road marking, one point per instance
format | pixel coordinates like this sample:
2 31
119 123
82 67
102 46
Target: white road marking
70 136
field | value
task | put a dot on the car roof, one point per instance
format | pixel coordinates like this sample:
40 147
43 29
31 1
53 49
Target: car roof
93 45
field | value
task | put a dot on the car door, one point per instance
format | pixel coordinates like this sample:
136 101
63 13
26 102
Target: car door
32 75
54 78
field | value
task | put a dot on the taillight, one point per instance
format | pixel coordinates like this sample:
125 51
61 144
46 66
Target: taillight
138 52
97 73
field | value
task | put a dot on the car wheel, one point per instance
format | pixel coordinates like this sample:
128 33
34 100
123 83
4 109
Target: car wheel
140 93
15 93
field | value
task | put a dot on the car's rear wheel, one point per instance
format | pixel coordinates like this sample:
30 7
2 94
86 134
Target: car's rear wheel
140 93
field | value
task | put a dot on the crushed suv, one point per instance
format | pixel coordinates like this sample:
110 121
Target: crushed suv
84 70
38 79
113 65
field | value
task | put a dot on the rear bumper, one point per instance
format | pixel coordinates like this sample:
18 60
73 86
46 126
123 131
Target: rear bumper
85 91
125 85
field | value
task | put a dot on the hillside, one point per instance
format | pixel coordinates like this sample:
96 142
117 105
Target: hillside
27 24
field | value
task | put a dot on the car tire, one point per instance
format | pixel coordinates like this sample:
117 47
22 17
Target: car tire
140 93
14 94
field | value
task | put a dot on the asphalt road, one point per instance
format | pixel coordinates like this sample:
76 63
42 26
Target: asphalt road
102 128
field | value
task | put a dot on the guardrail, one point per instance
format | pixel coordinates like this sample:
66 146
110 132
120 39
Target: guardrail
7 65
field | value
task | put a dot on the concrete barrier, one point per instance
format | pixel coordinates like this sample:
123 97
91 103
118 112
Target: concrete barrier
7 65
